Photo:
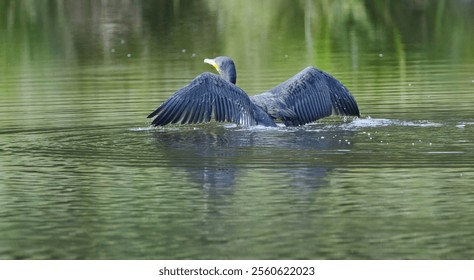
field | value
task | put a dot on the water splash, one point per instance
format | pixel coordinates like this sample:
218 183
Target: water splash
370 122
464 124
355 124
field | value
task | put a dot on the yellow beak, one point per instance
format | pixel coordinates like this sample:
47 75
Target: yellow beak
212 62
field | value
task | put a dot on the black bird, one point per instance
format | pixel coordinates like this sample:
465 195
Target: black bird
306 97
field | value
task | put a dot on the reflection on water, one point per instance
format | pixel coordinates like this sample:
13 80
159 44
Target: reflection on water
212 157
82 176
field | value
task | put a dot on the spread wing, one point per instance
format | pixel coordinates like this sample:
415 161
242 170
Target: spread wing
306 97
207 97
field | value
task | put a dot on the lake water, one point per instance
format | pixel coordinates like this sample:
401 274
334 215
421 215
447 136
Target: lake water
83 176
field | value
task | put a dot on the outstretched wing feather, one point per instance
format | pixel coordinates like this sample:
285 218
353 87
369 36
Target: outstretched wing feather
308 96
207 97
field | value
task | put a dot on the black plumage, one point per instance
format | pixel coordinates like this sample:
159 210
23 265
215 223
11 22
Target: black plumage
306 97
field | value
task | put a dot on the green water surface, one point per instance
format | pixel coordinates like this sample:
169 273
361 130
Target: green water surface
83 176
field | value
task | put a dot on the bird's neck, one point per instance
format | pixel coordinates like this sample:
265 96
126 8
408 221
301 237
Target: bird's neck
232 78
229 76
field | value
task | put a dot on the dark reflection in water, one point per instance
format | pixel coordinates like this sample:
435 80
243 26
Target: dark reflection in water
223 154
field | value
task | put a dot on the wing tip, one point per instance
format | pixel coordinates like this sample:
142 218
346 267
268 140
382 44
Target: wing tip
152 114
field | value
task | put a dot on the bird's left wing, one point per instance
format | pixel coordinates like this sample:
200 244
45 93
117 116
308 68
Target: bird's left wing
207 97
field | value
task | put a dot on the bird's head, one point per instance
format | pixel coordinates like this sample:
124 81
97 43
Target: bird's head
225 66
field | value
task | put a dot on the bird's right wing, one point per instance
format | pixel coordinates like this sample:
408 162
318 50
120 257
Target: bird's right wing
309 95
207 97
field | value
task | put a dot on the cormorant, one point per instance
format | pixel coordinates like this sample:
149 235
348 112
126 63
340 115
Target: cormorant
306 97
